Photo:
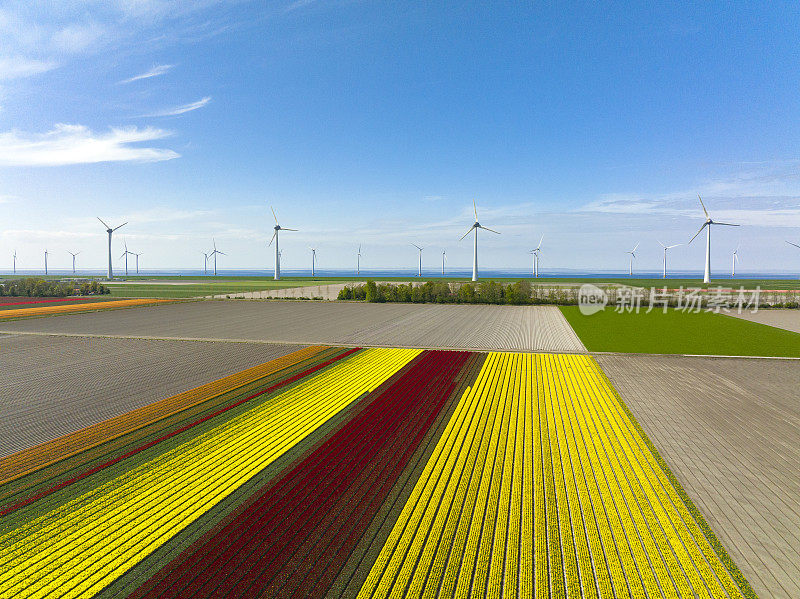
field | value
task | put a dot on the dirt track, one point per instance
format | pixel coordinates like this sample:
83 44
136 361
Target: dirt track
529 328
730 431
782 319
51 386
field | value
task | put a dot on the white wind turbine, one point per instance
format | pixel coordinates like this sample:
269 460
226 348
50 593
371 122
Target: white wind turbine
125 255
15 261
444 257
358 261
137 261
73 259
313 260
633 255
708 224
45 262
205 262
277 228
734 260
214 253
475 226
667 247
419 267
535 253
794 244
109 230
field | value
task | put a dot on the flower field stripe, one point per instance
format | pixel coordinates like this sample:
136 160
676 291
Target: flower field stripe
716 577
65 309
45 492
29 460
39 301
308 523
76 552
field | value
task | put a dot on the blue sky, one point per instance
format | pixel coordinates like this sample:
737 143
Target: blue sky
378 122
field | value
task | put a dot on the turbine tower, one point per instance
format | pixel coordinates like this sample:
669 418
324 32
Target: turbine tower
667 247
313 260
109 230
277 228
475 226
535 253
419 267
444 257
45 262
15 261
137 261
205 262
358 261
73 260
708 224
125 255
633 255
734 260
214 253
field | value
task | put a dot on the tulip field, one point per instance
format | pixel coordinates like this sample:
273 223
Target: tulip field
350 472
27 307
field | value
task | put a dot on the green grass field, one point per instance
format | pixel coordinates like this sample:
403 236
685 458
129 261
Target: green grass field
680 333
213 286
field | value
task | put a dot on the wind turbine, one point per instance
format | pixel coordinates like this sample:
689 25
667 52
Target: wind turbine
475 226
205 262
734 260
15 261
313 260
667 247
125 255
214 253
277 228
45 262
535 253
358 261
794 244
419 268
73 260
708 224
633 255
109 230
137 261
444 257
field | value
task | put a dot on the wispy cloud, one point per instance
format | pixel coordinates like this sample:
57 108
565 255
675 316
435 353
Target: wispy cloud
181 109
18 67
76 144
154 72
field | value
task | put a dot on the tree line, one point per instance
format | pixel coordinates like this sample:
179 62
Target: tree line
440 292
33 287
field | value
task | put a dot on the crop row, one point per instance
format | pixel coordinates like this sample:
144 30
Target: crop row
295 535
542 486
37 310
77 548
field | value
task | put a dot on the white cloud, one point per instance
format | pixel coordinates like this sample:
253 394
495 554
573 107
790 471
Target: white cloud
181 109
18 67
76 144
154 72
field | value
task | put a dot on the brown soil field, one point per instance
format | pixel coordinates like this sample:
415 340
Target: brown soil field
782 319
730 431
515 328
52 385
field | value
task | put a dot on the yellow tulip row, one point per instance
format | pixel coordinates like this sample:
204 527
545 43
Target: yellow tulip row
541 485
84 307
79 548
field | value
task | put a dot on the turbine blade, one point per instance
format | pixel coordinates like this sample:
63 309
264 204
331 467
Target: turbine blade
102 221
669 247
273 214
475 209
222 253
698 233
467 233
661 244
540 242
636 247
702 204
287 229
488 229
794 244
725 224
273 238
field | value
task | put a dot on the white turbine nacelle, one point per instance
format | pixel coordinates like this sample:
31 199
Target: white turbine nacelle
277 228
110 231
707 225
475 226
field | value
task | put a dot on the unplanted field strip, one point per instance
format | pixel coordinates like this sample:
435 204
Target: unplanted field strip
79 548
568 502
23 462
